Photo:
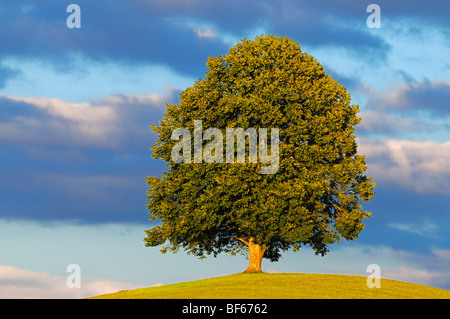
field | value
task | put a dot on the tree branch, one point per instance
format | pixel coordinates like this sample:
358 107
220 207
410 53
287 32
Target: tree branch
337 207
242 240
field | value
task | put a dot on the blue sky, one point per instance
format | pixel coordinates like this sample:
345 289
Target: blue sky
75 109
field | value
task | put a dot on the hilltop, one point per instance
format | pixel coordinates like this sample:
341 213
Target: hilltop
282 286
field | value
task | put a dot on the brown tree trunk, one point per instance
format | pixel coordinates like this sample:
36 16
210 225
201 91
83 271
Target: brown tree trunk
256 255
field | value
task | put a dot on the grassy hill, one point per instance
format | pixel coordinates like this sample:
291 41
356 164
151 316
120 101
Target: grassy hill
282 286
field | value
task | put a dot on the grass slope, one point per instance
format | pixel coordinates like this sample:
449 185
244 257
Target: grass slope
282 286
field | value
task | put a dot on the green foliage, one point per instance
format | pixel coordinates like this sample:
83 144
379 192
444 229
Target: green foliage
314 198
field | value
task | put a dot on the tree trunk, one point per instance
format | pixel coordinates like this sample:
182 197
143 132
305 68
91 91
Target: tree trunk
256 255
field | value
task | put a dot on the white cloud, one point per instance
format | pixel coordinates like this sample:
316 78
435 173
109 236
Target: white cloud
77 112
426 269
420 166
385 123
426 228
62 122
419 276
110 122
431 269
429 96
352 258
442 254
204 32
26 284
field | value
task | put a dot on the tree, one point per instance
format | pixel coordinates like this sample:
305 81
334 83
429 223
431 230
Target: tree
314 198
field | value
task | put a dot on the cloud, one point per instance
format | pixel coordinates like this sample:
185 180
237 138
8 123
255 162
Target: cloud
418 166
426 229
55 122
130 33
76 192
205 32
113 122
428 96
77 112
148 31
420 276
202 31
90 158
391 124
61 122
427 269
352 258
431 269
26 284
442 254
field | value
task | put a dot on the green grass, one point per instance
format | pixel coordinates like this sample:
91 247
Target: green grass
282 286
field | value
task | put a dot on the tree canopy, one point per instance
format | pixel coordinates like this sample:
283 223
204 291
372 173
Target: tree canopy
315 195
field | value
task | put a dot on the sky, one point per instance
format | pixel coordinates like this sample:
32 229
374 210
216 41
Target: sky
76 106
